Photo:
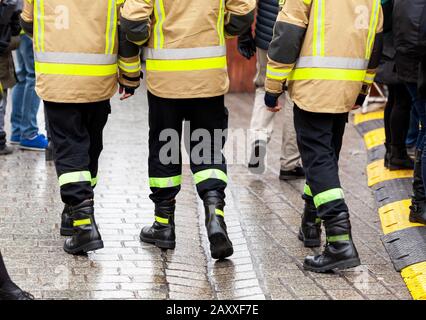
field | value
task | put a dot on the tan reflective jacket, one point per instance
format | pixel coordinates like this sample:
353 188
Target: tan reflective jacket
327 51
76 46
185 42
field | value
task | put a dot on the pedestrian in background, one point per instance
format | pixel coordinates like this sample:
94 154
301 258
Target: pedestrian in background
328 51
262 121
9 40
76 79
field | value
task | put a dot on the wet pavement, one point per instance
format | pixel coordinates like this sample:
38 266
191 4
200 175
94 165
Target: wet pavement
262 213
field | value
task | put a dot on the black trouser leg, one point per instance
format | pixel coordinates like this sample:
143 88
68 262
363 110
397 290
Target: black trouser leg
400 116
4 276
164 163
319 138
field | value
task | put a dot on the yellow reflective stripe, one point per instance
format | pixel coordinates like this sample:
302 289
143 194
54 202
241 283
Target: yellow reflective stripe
186 65
159 14
39 25
307 2
82 222
219 212
94 181
340 237
166 182
76 69
111 27
327 74
129 66
161 220
328 196
221 23
307 190
369 78
319 28
277 74
207 174
72 177
374 19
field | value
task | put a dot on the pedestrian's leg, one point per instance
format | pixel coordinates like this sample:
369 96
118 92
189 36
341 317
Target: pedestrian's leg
387 121
18 96
8 289
164 167
208 122
320 137
71 142
290 156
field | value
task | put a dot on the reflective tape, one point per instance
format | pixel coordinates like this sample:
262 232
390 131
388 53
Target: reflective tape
340 237
94 181
129 67
207 174
332 62
319 28
111 27
185 53
374 19
369 78
221 23
328 196
219 212
186 65
166 182
159 14
75 58
76 69
82 222
73 177
277 74
162 220
327 74
307 190
307 2
39 25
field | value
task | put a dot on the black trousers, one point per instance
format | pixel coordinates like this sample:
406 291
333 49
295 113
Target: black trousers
319 137
205 120
76 133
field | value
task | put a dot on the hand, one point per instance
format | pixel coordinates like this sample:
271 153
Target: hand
359 101
271 102
275 109
246 45
126 91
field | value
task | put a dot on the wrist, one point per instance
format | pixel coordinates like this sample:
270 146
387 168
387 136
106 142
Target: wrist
271 99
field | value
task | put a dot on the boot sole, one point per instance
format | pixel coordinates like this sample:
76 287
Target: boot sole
66 231
220 246
162 244
91 246
412 220
395 168
309 243
340 265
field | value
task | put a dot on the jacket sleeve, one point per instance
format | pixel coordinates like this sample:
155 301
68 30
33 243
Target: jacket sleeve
239 16
135 20
27 17
284 50
376 54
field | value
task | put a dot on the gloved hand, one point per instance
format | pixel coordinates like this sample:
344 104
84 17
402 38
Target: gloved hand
271 100
360 100
246 45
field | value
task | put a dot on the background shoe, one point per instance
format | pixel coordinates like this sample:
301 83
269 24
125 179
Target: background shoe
38 143
5 150
10 291
15 140
296 173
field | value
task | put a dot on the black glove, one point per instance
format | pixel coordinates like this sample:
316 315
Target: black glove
360 99
246 45
128 90
271 100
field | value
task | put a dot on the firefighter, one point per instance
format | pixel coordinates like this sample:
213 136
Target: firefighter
327 53
187 79
78 62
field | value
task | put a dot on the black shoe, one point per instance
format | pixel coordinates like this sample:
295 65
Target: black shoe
310 230
340 252
220 244
296 173
86 236
162 232
49 152
418 200
67 228
399 159
418 212
256 164
5 150
10 291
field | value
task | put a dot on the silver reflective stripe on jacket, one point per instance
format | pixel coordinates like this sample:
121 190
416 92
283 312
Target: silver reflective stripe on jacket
332 63
75 58
185 53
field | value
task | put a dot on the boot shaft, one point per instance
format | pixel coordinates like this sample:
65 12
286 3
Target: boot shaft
165 212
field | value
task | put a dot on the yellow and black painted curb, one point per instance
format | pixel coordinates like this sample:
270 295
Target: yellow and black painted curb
404 241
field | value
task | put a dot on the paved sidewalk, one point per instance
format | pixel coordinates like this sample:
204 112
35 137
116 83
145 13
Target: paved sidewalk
263 215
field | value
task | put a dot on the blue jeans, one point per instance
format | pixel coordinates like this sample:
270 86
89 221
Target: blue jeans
25 102
420 105
413 131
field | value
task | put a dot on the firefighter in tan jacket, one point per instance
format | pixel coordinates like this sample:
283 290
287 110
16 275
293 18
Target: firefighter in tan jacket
78 63
326 51
187 78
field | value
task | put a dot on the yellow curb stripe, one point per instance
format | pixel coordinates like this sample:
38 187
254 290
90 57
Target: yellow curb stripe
376 173
360 117
415 279
375 138
394 216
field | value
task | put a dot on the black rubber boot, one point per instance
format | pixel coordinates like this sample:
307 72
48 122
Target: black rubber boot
67 228
10 291
162 232
387 155
86 236
220 244
340 252
310 230
399 159
418 200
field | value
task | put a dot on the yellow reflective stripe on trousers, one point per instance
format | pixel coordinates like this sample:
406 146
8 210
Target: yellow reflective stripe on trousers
76 69
219 212
39 25
159 14
374 19
186 65
328 196
307 190
221 23
72 177
161 220
129 67
207 174
82 222
327 74
319 28
277 74
111 27
166 182
94 181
